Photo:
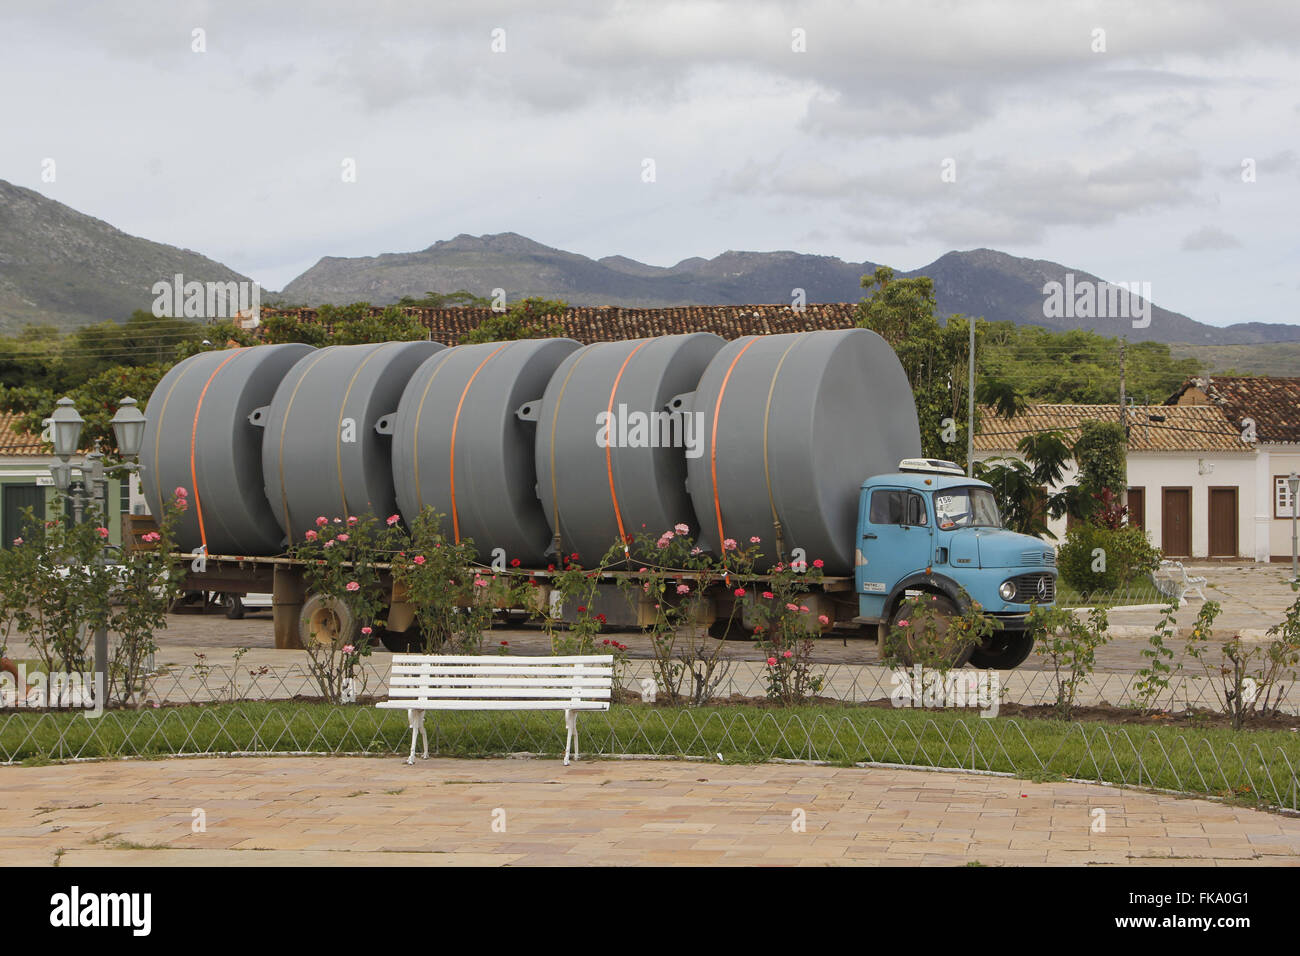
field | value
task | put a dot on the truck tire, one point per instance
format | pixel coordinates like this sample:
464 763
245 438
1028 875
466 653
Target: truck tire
401 642
234 606
730 629
945 606
326 621
1004 650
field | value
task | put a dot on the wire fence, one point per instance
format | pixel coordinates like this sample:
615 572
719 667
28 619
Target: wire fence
1146 757
846 683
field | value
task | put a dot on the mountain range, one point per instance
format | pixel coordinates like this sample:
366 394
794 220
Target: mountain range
62 267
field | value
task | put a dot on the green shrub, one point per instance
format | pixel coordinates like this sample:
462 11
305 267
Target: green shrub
1102 559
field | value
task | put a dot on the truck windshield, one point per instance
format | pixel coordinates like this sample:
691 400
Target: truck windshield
966 508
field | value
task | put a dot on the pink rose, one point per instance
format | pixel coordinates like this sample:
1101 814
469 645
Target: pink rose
681 528
683 589
342 537
181 492
393 519
771 662
729 544
740 592
788 654
351 520
322 521
353 586
818 563
348 648
823 619
768 595
367 631
103 532
419 559
311 535
755 539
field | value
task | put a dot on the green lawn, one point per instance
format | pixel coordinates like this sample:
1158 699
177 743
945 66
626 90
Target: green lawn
1260 766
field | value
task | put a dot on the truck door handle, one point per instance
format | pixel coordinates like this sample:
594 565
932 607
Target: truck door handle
869 535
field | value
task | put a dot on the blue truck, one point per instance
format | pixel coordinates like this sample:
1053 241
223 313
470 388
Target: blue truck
929 529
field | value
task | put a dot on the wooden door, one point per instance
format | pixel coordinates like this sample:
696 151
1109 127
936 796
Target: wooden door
1137 507
1223 523
1176 522
18 498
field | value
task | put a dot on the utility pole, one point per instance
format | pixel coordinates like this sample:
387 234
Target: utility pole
970 405
1123 421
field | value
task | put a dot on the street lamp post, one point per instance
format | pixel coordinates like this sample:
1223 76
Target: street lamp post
65 427
1293 483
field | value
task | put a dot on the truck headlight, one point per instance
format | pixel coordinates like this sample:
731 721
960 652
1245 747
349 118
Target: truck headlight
1007 590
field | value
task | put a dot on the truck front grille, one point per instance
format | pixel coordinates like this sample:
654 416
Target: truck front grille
1046 558
1028 588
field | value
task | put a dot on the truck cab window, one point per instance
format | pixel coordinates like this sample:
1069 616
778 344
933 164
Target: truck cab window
898 507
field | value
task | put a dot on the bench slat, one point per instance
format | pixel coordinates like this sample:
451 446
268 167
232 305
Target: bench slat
437 680
523 693
492 705
478 659
532 672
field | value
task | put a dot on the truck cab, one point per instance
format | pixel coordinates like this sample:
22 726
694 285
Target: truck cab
928 527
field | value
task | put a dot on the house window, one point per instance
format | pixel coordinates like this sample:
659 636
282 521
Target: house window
1282 503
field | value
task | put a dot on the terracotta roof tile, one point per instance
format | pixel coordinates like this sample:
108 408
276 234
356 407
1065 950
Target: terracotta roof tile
1273 402
612 323
14 441
1185 427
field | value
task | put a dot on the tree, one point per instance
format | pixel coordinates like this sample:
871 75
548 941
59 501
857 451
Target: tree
531 318
934 356
391 325
1099 452
460 299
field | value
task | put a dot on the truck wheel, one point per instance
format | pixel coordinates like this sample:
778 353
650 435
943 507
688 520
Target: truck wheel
326 621
401 642
730 629
234 606
945 607
1004 650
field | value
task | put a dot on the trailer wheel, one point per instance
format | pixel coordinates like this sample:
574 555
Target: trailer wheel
401 642
1004 650
730 629
234 606
326 621
906 653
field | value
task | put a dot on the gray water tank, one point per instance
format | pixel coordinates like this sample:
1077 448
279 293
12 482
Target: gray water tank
593 494
794 424
203 403
322 454
461 407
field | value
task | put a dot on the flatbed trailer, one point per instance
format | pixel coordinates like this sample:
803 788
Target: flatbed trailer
284 578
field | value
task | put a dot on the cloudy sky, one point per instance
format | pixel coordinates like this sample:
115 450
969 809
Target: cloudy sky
1155 142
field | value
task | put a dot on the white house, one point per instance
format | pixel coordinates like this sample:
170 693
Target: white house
1192 478
1266 409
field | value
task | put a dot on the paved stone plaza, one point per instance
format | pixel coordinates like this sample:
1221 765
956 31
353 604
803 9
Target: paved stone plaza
378 811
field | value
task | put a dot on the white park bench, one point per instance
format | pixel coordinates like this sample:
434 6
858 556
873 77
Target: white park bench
1173 581
421 682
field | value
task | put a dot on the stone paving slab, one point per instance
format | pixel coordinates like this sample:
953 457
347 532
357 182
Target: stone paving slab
380 812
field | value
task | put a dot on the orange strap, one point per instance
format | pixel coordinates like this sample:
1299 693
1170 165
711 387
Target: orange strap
455 422
713 445
609 447
194 436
